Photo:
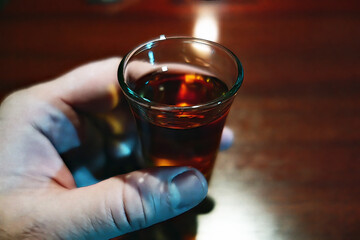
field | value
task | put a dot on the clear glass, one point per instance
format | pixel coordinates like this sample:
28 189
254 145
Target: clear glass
180 121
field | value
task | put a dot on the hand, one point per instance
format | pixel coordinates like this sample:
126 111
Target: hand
38 195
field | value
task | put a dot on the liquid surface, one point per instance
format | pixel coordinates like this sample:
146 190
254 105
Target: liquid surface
179 89
167 144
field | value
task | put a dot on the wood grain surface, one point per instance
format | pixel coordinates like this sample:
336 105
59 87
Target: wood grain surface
293 171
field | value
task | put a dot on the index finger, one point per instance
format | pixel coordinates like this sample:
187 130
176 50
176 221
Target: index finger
91 88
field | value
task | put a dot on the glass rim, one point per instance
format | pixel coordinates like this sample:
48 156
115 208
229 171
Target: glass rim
167 107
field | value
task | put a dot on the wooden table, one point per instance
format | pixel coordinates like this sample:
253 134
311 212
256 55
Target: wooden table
293 171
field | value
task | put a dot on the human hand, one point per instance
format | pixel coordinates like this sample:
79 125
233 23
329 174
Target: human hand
38 195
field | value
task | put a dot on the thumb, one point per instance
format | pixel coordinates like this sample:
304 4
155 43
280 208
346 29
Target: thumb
128 202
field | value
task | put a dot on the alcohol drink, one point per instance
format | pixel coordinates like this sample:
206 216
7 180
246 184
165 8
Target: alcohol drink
180 90
187 138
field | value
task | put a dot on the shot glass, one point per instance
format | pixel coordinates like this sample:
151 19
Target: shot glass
180 90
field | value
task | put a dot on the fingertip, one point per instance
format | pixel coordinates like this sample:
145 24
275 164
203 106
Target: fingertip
187 189
227 139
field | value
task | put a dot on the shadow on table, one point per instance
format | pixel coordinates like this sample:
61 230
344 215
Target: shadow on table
183 227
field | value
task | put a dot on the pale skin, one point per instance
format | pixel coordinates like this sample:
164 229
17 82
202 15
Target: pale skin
39 198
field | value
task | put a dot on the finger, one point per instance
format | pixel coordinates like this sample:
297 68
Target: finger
227 139
128 202
91 88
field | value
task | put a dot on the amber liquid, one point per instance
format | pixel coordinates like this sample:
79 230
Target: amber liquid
194 144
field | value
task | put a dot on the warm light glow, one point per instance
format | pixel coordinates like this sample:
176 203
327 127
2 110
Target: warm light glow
114 94
183 104
115 125
190 78
206 25
183 91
